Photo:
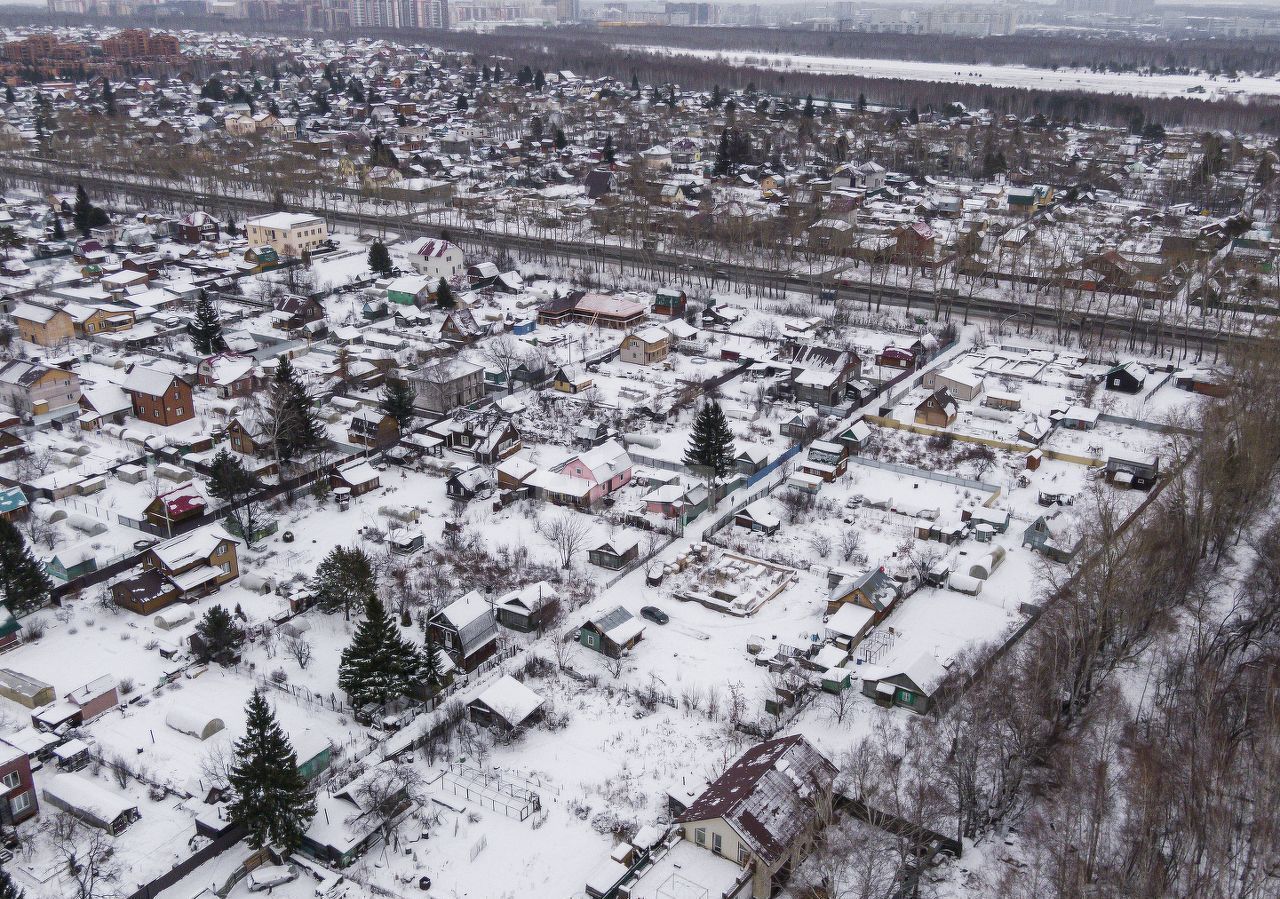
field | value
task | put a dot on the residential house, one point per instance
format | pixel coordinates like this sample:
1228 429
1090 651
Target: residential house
571 379
434 259
487 436
612 633
13 507
288 233
670 302
765 811
103 404
373 428
467 630
465 483
607 468
910 686
896 357
1129 377
937 410
176 506
247 438
604 311
962 383
447 385
614 553
820 375
181 569
506 704
411 290
1051 535
825 460
17 786
530 608
42 325
230 374
37 391
1079 418
874 590
195 227
759 518
357 477
1138 471
295 313
647 346
159 397
460 326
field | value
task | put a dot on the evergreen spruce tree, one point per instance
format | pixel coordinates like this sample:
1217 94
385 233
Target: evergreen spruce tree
560 140
82 212
59 232
297 428
24 585
444 295
206 328
461 105
8 889
272 802
607 152
397 401
723 152
539 80
711 444
808 107
380 259
344 580
9 95
378 665
219 636
234 485
430 673
108 96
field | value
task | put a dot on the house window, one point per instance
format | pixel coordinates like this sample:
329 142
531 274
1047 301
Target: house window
906 697
715 843
12 779
743 855
177 411
700 836
20 803
225 567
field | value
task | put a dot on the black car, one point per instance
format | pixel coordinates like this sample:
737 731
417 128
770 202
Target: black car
654 614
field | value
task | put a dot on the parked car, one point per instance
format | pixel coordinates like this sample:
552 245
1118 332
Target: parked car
268 876
654 614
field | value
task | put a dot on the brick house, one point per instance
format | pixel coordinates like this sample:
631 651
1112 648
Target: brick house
159 397
17 786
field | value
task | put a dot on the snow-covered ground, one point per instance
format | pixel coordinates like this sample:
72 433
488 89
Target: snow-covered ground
994 75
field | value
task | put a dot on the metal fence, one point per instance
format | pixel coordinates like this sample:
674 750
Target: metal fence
924 474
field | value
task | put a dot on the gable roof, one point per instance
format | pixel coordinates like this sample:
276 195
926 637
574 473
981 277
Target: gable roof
767 796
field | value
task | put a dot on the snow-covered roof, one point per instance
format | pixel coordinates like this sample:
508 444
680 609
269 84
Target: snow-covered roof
510 700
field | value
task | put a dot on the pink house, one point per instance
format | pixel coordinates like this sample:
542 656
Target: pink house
607 468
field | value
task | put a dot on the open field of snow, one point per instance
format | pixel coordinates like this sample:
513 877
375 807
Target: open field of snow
994 75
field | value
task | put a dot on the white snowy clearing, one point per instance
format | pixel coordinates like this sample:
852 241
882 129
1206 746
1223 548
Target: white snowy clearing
994 75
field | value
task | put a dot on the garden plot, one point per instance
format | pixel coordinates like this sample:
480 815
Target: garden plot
727 582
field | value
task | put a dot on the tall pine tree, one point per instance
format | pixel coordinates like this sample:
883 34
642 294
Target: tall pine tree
235 487
272 802
444 295
397 401
711 444
344 580
379 665
206 328
8 889
379 259
24 585
297 429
